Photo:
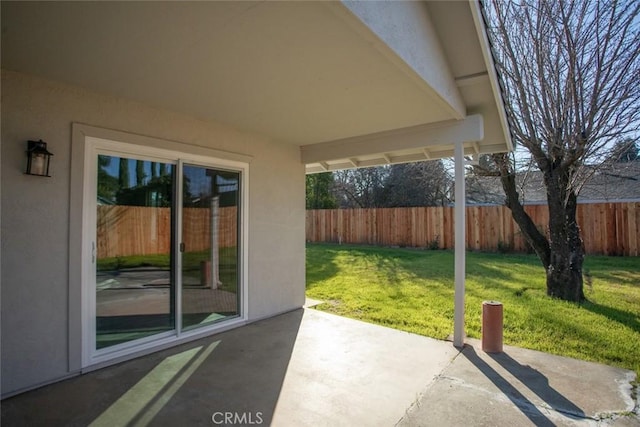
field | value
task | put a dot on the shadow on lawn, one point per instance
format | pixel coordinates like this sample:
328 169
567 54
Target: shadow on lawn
433 270
394 264
623 317
320 264
436 270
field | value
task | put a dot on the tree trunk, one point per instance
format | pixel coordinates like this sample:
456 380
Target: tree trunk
561 255
564 272
532 235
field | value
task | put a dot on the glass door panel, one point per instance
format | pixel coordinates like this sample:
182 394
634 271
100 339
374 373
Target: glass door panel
135 290
209 246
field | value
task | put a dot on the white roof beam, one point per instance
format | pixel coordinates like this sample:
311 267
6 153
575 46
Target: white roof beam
472 79
446 133
474 160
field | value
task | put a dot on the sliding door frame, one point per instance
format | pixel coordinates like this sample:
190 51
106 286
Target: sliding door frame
88 142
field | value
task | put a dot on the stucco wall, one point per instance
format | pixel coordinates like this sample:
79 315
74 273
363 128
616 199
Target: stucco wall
35 215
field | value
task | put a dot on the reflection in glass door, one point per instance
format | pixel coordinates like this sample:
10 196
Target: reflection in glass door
209 246
135 290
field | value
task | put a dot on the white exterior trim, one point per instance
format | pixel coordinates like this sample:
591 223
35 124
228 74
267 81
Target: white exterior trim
468 130
460 249
483 39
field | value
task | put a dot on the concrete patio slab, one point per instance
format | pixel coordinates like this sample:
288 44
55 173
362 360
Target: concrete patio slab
344 373
524 387
301 368
309 368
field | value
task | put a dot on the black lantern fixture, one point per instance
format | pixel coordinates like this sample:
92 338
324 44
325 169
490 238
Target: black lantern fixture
38 158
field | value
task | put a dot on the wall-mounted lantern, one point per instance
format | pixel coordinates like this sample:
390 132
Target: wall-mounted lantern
38 158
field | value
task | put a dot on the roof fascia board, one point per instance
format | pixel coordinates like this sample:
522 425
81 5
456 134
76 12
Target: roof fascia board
487 54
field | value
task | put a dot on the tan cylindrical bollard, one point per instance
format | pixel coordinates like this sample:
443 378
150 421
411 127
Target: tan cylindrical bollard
492 326
205 274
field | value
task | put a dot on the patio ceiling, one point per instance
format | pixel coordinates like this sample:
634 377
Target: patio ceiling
339 80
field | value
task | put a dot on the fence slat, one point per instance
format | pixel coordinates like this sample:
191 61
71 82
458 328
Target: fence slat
607 228
136 230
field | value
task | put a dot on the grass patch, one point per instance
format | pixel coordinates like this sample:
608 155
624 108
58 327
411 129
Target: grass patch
190 260
413 290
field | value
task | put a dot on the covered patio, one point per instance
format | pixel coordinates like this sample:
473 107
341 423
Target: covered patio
258 93
309 368
265 91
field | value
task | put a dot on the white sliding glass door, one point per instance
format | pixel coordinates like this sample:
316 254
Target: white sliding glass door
165 235
135 285
209 250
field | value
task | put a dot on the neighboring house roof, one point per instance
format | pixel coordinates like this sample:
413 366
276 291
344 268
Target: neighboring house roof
614 182
347 83
620 181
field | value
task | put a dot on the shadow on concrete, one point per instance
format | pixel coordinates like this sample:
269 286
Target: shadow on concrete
519 400
538 384
239 372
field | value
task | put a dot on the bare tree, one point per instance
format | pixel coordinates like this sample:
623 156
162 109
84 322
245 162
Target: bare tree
359 188
398 185
570 73
417 184
626 150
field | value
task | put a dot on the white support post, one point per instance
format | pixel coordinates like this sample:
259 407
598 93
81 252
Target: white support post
460 242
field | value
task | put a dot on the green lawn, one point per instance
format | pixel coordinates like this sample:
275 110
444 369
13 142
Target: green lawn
412 290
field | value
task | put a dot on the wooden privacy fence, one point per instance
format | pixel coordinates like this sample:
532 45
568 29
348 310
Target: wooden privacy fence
135 230
607 228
